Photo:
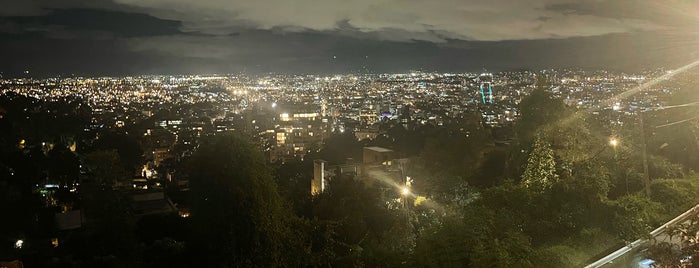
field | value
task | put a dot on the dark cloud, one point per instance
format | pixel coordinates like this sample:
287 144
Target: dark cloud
92 22
489 20
568 8
13 8
302 36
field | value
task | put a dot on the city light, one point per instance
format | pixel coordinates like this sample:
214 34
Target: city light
613 142
291 136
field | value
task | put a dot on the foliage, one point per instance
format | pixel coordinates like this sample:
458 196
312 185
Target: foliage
37 121
555 198
538 110
63 165
128 148
540 173
294 179
107 168
445 245
675 195
634 216
238 217
362 229
109 229
669 253
338 148
491 171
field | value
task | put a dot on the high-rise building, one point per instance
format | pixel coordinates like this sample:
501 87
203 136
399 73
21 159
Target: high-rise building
485 84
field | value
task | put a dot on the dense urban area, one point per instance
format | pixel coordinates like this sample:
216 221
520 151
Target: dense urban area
550 168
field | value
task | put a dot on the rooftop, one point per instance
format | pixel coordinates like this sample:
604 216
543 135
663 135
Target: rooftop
379 149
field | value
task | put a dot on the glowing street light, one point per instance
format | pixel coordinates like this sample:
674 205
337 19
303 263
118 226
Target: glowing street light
19 244
613 142
405 191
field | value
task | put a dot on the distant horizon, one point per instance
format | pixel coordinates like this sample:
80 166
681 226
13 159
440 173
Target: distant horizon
32 75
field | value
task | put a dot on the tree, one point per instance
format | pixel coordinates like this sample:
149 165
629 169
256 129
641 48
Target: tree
109 230
491 171
445 245
63 165
538 110
682 246
238 217
337 148
294 179
540 173
127 147
478 236
107 168
634 216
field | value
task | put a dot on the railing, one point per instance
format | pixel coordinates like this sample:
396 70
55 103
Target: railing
658 231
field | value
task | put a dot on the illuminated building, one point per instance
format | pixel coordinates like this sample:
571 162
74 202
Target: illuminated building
485 85
318 181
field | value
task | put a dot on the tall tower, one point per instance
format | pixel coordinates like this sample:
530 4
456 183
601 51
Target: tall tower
485 84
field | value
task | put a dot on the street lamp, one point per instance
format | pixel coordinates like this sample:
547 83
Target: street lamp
405 192
613 142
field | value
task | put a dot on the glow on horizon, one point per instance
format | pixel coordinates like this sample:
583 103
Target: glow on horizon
628 93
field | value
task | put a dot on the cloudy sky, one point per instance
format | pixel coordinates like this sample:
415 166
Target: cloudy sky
114 37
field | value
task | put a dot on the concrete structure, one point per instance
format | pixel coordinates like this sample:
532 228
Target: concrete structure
151 202
324 173
318 181
377 166
376 155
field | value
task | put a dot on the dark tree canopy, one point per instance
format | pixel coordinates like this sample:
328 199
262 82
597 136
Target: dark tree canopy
237 214
538 110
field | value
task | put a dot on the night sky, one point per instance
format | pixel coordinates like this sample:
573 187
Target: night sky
123 37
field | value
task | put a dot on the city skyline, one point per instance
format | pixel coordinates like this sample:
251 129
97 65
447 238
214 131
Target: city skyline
335 133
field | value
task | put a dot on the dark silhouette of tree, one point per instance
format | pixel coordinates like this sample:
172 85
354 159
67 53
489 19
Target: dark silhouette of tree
475 237
126 146
107 169
39 121
361 226
108 237
166 252
294 180
63 165
538 109
338 148
238 217
491 171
